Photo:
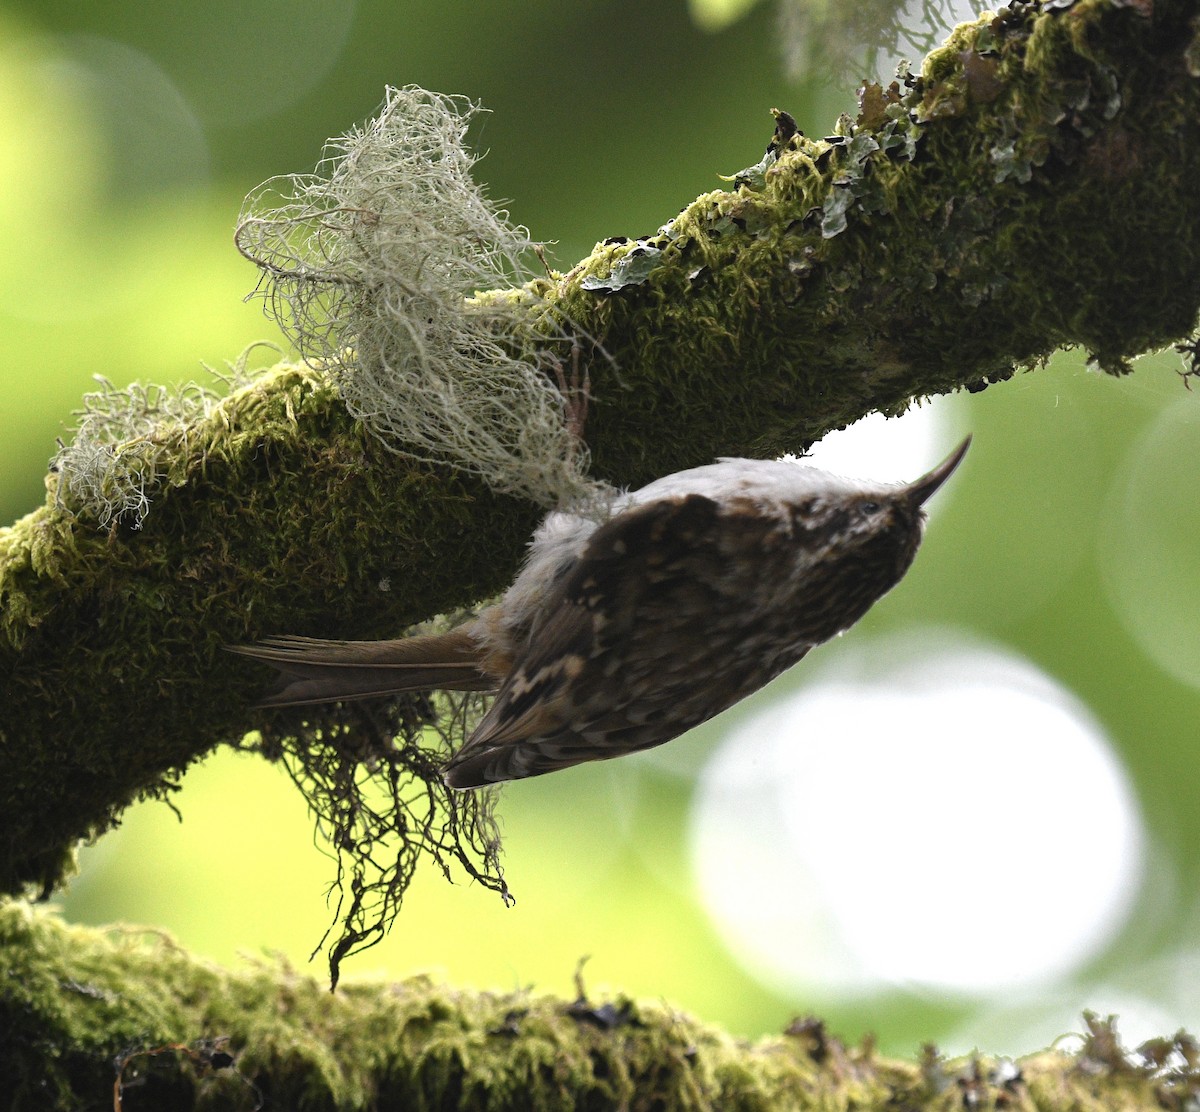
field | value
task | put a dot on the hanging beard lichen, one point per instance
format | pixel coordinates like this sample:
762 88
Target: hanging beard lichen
371 773
867 38
373 267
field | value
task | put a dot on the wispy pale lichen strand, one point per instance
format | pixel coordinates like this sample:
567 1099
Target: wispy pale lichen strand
125 437
369 265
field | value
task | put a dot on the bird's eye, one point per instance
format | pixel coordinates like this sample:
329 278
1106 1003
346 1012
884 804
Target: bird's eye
869 507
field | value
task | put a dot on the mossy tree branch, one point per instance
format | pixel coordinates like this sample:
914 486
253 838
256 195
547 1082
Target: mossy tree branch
1034 188
83 1012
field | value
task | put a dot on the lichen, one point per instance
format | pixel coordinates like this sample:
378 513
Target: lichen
815 34
127 439
369 265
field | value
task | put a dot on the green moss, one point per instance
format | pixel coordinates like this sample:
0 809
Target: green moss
75 999
78 1006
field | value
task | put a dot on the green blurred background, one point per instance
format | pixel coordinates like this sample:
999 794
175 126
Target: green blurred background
1059 564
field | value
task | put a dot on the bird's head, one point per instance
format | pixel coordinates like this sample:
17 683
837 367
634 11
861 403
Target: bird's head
862 538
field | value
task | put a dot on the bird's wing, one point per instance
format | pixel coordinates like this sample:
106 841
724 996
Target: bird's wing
592 640
319 671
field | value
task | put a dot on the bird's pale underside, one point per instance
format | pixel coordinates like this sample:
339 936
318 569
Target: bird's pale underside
696 591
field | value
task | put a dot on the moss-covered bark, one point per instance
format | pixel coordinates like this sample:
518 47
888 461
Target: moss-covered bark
81 1009
276 513
1035 187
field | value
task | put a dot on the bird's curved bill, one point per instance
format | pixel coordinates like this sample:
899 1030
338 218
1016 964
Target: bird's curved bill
921 489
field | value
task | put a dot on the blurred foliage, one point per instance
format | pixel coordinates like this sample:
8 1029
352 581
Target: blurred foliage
128 138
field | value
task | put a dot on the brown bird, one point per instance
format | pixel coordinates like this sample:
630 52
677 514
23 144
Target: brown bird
620 635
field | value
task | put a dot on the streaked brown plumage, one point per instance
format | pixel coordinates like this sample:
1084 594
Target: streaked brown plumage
696 591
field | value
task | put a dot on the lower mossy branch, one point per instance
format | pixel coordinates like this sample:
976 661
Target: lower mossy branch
124 1019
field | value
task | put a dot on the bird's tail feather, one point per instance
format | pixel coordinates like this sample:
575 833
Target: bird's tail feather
314 670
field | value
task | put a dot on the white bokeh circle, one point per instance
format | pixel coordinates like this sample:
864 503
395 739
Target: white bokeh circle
951 818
